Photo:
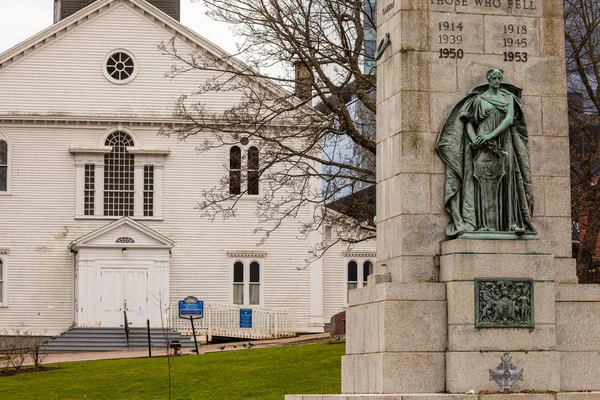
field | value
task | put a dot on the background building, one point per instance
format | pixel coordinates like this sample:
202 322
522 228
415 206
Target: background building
99 212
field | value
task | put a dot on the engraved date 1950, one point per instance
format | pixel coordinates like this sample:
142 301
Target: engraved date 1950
450 33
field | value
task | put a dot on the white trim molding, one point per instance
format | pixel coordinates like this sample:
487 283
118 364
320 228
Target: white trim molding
359 254
125 226
246 254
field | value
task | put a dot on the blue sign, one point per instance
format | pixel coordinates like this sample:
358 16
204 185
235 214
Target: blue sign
191 307
245 318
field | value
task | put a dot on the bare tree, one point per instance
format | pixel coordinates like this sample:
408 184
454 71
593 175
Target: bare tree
582 32
313 121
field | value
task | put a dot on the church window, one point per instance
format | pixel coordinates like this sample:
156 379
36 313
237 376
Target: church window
125 239
235 170
2 282
120 67
246 283
367 270
254 284
118 176
251 157
3 165
327 233
148 190
253 170
89 189
238 283
352 275
357 273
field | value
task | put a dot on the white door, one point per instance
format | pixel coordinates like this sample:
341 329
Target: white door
136 290
124 290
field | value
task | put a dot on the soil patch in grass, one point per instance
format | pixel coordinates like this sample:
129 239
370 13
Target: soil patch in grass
24 370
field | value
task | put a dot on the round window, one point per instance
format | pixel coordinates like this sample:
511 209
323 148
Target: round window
120 67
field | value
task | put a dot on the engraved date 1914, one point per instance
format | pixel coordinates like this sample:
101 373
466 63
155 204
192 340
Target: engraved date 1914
450 34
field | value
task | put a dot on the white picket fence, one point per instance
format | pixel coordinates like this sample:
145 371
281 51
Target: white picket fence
224 320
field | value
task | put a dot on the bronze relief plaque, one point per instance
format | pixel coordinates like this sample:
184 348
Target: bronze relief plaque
504 303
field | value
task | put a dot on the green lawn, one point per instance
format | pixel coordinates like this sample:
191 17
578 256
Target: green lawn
246 374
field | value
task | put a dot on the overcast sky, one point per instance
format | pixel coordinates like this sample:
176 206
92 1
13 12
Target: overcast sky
24 18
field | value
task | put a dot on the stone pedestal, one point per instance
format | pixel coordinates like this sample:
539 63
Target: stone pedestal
421 337
578 336
471 350
396 339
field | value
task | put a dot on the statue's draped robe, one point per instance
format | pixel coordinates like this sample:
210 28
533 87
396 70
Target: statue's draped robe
474 203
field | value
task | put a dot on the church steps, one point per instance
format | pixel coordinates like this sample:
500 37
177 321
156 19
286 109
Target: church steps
111 339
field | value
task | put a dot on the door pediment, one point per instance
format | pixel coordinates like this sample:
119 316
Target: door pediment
124 232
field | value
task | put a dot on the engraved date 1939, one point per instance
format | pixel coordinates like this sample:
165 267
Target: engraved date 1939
450 34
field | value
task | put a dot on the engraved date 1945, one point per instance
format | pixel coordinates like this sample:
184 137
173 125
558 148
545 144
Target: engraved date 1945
515 36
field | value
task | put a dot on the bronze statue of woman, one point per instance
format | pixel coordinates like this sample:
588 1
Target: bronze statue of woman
483 143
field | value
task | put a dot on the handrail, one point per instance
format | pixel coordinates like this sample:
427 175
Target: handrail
126 326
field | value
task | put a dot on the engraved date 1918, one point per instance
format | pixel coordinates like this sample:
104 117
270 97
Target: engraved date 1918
516 39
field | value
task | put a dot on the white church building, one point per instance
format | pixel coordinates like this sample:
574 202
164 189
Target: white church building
98 212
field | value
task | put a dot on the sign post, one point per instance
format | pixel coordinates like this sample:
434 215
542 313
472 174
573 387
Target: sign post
191 308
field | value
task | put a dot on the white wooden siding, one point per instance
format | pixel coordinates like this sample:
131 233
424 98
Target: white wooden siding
65 80
38 225
50 80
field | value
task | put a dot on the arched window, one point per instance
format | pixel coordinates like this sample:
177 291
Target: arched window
246 283
367 270
253 170
238 283
118 176
3 167
352 275
2 282
356 274
235 170
254 286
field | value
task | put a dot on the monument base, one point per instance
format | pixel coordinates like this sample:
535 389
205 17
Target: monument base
431 337
486 396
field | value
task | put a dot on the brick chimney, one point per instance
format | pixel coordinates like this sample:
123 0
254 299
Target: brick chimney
64 8
303 89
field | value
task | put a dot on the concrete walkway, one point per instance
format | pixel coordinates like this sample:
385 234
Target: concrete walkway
112 355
